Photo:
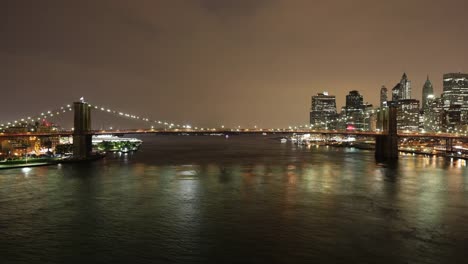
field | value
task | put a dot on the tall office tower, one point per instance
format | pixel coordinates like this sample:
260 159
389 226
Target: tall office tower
354 101
323 111
434 114
383 96
354 110
402 90
455 100
408 114
427 90
455 89
405 87
396 92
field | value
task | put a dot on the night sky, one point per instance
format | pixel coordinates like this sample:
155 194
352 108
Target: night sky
213 62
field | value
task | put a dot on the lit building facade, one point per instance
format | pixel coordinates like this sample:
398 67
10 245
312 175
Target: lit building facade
433 114
396 92
408 114
428 90
383 96
405 87
354 111
455 89
402 90
323 112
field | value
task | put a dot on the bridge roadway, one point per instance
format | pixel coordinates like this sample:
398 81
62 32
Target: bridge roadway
233 132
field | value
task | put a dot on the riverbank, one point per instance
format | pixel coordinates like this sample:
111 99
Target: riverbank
15 164
26 165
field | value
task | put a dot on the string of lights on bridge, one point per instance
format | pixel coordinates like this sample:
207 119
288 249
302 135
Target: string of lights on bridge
172 125
153 124
38 117
43 116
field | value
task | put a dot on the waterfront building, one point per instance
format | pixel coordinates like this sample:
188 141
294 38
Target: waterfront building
455 89
383 96
407 108
455 99
453 117
323 111
369 118
354 111
421 120
408 114
428 90
433 114
372 121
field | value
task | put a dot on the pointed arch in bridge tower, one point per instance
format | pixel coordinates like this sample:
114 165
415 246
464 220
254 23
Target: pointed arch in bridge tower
386 145
82 137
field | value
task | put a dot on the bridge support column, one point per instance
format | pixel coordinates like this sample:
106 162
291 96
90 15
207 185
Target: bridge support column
448 145
386 146
82 144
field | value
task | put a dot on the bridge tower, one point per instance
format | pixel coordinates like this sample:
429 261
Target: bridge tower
386 145
82 137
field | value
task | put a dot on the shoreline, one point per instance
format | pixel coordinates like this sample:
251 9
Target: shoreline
51 162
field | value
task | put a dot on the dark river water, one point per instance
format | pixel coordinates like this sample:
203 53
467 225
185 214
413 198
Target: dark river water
246 199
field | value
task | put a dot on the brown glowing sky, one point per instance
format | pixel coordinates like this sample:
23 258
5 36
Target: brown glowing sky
212 62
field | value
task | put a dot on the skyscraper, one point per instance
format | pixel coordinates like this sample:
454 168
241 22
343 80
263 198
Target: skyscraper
383 96
354 110
455 89
426 91
354 101
433 114
396 92
405 87
323 111
455 100
408 114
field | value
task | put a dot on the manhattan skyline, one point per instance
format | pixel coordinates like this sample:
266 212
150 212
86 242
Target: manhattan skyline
234 63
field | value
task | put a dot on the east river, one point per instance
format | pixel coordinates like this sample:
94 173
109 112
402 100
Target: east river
246 199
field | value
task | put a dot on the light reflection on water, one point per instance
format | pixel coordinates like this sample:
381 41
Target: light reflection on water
246 199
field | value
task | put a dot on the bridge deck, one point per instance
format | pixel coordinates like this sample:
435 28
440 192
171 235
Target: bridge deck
198 132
